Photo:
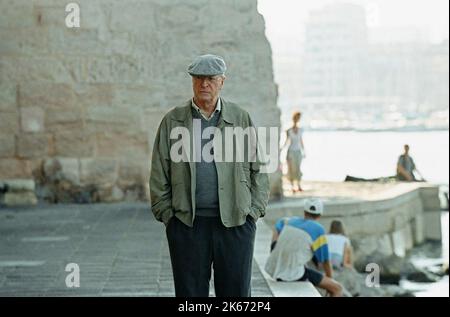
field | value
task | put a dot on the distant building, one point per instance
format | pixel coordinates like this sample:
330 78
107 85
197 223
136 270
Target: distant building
348 67
335 48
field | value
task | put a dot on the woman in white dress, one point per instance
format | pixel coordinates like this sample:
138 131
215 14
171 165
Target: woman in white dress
295 153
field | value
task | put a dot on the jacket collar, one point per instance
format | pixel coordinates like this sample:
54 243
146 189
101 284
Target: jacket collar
184 113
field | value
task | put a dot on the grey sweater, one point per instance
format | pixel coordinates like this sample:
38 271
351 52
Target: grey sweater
206 193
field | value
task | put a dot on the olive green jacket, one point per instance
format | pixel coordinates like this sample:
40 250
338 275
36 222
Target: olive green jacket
243 190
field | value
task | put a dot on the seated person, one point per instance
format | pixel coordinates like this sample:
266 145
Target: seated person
295 242
406 166
339 246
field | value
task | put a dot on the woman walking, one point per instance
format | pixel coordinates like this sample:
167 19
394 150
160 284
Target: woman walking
295 153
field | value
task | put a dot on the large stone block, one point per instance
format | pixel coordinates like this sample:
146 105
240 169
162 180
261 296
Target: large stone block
18 185
149 97
8 94
98 171
138 18
16 14
433 227
51 15
418 229
28 41
20 199
430 198
33 145
7 145
41 69
74 144
110 194
76 41
15 168
46 95
129 145
62 169
58 121
408 237
119 120
399 243
32 119
124 69
94 95
132 172
366 245
9 122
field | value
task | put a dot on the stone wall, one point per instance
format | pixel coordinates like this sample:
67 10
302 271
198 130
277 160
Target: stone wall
79 107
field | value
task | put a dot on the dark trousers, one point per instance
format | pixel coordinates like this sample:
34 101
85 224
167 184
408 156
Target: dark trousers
209 243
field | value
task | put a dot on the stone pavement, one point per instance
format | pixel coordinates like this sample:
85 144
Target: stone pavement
120 249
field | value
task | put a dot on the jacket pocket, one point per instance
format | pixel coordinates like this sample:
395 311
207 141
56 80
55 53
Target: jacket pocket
244 198
180 197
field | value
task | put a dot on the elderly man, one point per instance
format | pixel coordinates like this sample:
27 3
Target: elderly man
209 207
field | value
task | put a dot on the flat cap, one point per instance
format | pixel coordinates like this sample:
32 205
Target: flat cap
207 65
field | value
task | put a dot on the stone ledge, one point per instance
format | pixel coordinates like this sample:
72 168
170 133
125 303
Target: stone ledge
17 192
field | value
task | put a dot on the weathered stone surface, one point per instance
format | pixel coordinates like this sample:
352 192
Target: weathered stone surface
131 146
98 171
80 41
41 68
19 198
8 94
9 122
46 95
32 119
74 144
430 198
17 14
112 194
366 245
59 169
132 172
89 95
26 41
418 229
49 14
7 145
14 168
32 145
18 185
391 267
57 121
100 91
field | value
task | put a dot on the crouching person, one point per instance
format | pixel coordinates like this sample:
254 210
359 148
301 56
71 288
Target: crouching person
295 242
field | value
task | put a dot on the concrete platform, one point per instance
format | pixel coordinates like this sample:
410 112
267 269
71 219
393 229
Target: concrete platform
120 250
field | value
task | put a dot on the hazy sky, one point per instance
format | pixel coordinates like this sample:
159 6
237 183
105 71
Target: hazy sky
285 18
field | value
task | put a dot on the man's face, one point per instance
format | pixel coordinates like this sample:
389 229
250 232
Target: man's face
406 149
207 88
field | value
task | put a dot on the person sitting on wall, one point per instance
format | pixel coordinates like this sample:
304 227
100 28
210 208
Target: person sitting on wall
295 242
406 167
339 246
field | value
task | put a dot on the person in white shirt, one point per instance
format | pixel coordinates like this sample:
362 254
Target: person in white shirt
339 246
